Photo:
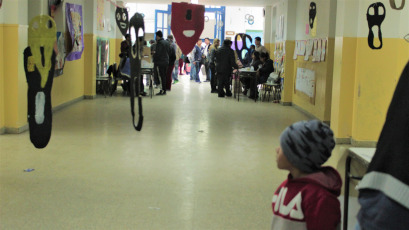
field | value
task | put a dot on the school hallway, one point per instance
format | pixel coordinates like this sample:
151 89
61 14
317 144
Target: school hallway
200 162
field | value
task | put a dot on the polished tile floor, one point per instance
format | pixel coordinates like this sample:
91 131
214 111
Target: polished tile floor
200 162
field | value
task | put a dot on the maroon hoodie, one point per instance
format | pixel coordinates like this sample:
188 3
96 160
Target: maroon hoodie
308 202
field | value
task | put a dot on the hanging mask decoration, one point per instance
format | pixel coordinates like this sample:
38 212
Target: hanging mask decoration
187 24
122 20
244 47
136 23
375 19
39 64
313 13
1 2
393 5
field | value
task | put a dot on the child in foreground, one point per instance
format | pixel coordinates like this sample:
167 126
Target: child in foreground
308 198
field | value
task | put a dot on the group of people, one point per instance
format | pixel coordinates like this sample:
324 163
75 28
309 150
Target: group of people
219 62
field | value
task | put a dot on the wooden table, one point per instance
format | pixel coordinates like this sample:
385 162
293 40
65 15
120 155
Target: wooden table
364 157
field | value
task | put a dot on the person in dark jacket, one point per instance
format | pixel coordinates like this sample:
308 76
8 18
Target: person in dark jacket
255 63
248 58
155 68
225 62
262 74
161 59
172 59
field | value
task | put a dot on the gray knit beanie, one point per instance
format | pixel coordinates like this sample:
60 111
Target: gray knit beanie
307 144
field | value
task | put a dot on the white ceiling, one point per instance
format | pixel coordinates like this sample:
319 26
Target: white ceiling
255 3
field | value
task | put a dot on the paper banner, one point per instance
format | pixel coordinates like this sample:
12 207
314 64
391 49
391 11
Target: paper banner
187 24
323 49
100 14
60 59
73 14
315 49
295 50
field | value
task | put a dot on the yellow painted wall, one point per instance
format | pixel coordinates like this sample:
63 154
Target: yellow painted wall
15 86
377 72
323 84
287 94
112 51
90 64
2 121
70 85
343 86
117 50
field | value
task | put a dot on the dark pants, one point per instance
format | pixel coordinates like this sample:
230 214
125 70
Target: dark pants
207 68
213 79
180 66
169 76
156 75
223 80
246 82
162 73
254 82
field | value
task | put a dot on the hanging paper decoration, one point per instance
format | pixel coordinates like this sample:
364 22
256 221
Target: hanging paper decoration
52 6
39 62
187 24
73 13
375 19
136 23
393 5
312 19
244 47
60 59
1 2
122 20
100 15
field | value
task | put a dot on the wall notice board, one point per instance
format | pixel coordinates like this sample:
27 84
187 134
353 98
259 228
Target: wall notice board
305 83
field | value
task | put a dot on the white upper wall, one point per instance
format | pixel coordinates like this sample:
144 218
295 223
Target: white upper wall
14 12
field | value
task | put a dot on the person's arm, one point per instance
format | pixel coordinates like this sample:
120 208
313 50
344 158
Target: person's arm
233 60
322 213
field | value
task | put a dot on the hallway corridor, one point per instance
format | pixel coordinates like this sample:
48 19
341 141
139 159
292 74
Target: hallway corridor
200 162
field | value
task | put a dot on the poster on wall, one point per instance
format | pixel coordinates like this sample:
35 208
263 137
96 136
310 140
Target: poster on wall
305 82
75 47
60 58
100 15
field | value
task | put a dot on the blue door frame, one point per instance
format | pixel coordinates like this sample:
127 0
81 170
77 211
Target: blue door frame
219 28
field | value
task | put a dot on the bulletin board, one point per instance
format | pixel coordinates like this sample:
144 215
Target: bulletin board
305 83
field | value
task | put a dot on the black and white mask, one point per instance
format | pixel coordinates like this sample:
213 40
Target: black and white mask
122 20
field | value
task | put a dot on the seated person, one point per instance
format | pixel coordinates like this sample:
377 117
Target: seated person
262 74
255 64
248 58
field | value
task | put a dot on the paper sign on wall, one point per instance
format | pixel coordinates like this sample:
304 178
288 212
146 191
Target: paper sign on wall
323 49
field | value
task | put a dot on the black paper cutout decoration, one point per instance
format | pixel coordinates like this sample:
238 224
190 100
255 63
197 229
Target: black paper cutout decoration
313 13
136 23
244 46
406 37
122 20
187 24
393 5
375 20
39 64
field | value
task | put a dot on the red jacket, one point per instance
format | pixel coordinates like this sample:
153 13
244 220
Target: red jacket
308 202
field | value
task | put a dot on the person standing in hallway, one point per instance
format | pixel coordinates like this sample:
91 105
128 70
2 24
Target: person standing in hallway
225 62
308 198
161 59
172 60
178 53
212 51
155 67
260 48
196 58
205 58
